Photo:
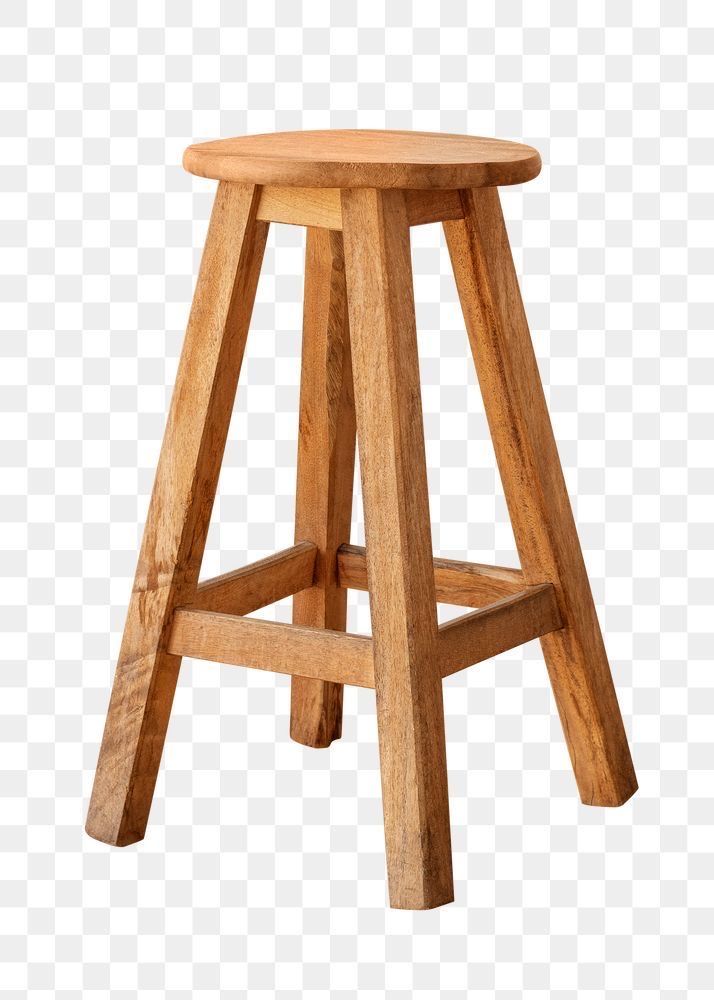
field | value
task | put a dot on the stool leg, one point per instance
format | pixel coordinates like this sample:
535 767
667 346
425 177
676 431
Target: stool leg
537 499
410 715
325 478
179 512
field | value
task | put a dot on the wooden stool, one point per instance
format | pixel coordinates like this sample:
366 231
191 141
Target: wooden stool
358 193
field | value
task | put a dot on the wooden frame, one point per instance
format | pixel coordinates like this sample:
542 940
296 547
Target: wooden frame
360 378
205 631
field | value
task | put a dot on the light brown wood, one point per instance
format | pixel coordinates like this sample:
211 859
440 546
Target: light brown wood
325 472
424 207
317 653
300 206
263 582
462 583
537 499
177 522
359 192
492 630
322 207
410 717
364 158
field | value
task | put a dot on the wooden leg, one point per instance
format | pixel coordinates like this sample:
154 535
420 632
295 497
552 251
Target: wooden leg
177 522
538 503
326 460
400 571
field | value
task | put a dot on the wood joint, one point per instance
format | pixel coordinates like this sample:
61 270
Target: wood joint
260 583
322 208
345 658
510 622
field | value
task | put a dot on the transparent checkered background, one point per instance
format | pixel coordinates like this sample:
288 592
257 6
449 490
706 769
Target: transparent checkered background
263 867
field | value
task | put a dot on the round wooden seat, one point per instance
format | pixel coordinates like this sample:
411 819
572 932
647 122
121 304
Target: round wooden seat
354 158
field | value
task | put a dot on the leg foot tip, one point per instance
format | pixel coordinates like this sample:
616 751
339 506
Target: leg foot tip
421 904
612 800
112 839
319 742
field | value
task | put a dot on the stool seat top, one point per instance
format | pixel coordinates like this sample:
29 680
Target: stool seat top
354 158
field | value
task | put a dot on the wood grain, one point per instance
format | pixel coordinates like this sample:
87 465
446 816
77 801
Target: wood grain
301 206
537 499
312 653
339 657
462 583
424 207
179 512
322 207
263 582
325 472
364 158
502 625
399 557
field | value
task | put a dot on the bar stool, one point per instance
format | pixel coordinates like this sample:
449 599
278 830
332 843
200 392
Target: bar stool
358 193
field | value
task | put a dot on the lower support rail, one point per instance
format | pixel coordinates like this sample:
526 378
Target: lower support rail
471 585
345 658
284 649
264 582
500 626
